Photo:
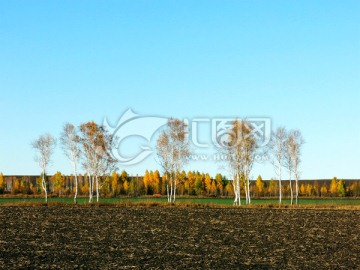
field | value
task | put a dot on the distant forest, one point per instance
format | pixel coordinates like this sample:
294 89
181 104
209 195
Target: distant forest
189 184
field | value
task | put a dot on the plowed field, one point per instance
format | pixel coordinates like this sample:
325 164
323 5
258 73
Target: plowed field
178 238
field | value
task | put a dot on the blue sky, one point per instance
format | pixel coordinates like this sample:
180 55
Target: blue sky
297 62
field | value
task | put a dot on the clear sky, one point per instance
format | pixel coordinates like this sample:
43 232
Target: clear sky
297 62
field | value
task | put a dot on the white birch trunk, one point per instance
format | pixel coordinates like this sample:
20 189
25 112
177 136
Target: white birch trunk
76 184
235 190
167 192
97 188
248 188
43 182
246 192
239 190
291 190
280 187
171 189
90 188
236 196
175 184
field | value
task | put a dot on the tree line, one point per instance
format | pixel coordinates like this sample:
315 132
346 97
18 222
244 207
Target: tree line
190 183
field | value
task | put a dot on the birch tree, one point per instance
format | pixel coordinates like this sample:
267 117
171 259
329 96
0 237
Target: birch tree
97 143
87 137
44 147
70 142
172 150
295 142
163 148
233 156
278 149
240 151
105 163
250 147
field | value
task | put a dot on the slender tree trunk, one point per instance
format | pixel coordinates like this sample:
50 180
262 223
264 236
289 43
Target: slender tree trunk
167 188
175 185
280 187
235 190
239 190
43 182
291 190
172 189
76 184
90 188
97 188
245 189
247 182
246 193
170 194
236 199
249 195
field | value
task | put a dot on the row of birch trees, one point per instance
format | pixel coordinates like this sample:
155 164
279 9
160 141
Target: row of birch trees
284 151
88 145
242 148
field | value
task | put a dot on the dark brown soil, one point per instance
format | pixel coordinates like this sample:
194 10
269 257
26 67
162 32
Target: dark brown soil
178 238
